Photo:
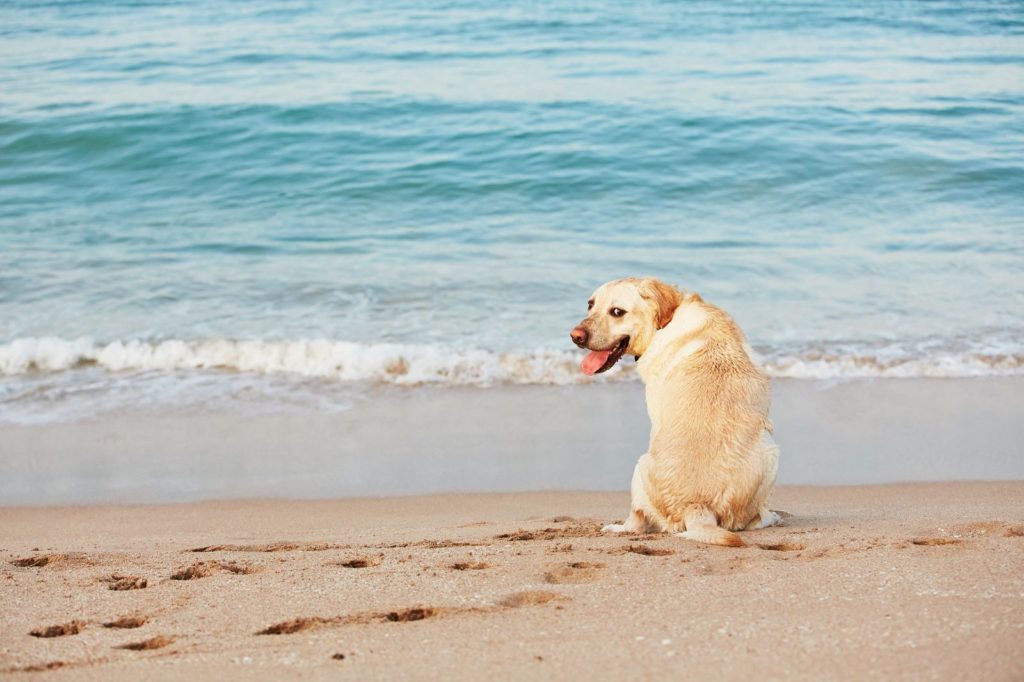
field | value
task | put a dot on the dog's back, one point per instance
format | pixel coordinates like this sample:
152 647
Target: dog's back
708 402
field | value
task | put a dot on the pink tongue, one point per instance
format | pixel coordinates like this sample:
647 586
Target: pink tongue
594 361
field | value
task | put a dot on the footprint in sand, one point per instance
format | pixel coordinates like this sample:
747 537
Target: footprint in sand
120 583
574 531
293 625
933 542
410 615
53 561
530 598
204 569
158 642
469 565
301 624
985 529
273 547
783 546
359 562
428 544
644 550
62 630
126 622
574 573
561 547
37 667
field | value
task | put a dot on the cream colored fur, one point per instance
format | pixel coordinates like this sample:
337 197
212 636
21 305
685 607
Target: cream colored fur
711 462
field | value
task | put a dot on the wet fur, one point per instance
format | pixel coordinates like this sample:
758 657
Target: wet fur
711 462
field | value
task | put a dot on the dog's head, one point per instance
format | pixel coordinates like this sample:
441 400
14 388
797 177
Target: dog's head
624 315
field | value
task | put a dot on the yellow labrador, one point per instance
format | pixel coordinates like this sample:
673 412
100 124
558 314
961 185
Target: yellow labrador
711 461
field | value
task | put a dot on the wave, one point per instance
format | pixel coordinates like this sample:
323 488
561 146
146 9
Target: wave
341 360
894 363
411 365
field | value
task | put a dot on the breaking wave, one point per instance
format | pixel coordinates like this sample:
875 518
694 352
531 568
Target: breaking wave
403 364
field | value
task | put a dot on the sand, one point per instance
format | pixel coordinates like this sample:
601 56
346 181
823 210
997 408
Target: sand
890 582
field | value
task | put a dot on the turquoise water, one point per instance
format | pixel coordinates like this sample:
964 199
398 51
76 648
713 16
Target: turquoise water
428 192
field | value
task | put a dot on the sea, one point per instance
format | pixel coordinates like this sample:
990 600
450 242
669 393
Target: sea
282 206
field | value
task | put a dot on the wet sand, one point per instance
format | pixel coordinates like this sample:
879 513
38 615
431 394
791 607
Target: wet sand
518 438
915 581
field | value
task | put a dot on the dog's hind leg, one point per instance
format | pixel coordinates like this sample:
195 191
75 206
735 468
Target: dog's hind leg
768 456
702 526
642 517
765 518
769 518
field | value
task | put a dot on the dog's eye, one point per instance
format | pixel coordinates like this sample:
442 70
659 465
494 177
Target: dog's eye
617 312
590 304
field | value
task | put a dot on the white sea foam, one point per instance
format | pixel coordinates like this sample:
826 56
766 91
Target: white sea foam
416 365
342 360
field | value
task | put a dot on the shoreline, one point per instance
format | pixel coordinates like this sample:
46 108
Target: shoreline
897 581
449 496
516 438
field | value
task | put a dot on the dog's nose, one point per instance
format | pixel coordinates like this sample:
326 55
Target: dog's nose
579 336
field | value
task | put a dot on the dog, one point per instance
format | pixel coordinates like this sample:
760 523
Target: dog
710 466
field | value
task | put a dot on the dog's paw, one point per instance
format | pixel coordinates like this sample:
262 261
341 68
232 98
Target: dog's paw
770 518
614 528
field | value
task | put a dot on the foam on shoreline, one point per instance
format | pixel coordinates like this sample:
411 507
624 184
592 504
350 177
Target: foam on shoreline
403 364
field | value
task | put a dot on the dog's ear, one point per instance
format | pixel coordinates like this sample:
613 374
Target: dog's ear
665 297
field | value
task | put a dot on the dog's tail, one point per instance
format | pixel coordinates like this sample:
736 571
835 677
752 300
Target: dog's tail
702 526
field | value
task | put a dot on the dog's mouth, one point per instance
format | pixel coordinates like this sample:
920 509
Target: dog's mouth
598 361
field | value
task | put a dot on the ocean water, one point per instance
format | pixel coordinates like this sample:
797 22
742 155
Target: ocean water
284 205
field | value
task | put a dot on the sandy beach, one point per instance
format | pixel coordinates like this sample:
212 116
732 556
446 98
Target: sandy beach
287 387
123 555
889 582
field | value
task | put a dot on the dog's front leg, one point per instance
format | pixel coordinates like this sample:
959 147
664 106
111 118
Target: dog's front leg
641 518
636 522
